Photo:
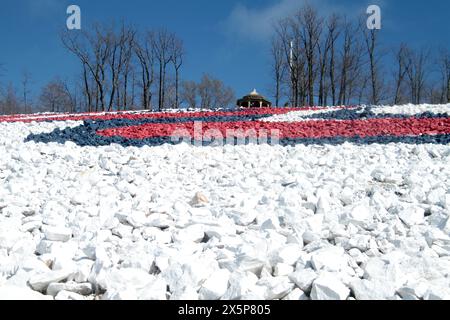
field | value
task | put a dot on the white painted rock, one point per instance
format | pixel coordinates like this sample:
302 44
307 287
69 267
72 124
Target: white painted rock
68 295
156 290
372 289
81 288
275 287
437 293
346 196
361 215
240 285
329 259
138 283
289 254
282 269
41 281
329 287
215 286
57 233
412 216
82 270
19 293
193 233
244 217
304 278
296 294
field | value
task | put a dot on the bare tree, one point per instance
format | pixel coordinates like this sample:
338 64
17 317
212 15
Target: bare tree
189 93
162 42
93 50
56 97
213 93
334 31
346 60
311 29
10 103
370 37
326 48
417 73
146 57
278 67
205 91
223 96
177 60
26 78
127 47
402 62
445 73
121 46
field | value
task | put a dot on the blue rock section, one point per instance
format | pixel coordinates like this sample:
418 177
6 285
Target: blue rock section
362 113
85 134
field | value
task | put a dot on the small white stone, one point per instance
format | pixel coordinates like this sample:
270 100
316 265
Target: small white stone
437 293
412 216
275 287
361 215
193 233
157 235
282 269
289 254
67 295
296 294
215 286
199 200
329 259
269 224
407 293
240 285
304 278
41 281
82 270
188 293
80 288
329 287
18 293
57 233
372 289
156 290
323 204
346 196
244 217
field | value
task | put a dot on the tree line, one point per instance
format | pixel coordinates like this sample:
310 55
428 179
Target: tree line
335 60
315 60
121 69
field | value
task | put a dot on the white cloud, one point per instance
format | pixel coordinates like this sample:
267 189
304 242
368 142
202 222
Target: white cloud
257 23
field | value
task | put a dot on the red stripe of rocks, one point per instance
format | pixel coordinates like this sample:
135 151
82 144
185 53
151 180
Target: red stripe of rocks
151 115
307 129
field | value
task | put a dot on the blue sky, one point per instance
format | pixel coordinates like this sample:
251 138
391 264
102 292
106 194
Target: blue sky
226 38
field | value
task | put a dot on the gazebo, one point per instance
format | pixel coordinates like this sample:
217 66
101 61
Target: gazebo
254 100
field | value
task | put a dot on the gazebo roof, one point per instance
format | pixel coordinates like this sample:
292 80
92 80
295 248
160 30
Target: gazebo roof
254 96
